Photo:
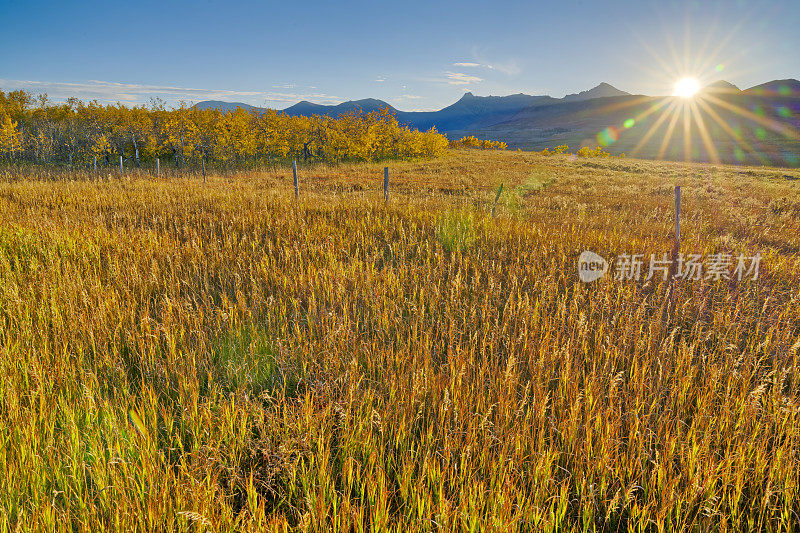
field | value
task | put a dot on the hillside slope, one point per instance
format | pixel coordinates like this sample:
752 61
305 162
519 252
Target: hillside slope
739 126
759 125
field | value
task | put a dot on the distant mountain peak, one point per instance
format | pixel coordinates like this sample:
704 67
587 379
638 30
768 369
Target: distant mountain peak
721 83
785 88
364 101
602 90
365 105
721 86
223 106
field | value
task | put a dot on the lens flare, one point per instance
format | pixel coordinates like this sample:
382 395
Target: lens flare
608 136
686 87
714 120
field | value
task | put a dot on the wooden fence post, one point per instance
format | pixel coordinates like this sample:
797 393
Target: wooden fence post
676 246
121 171
95 166
497 198
678 216
296 184
386 184
158 167
204 168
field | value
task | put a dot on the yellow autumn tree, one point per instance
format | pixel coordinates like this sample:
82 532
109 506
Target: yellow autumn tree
37 130
10 136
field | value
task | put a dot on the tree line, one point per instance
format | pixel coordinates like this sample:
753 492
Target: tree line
34 129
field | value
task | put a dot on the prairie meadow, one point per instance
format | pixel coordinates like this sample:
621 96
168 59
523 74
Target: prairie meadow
219 356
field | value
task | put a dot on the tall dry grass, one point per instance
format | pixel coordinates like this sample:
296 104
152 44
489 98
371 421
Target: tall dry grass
177 356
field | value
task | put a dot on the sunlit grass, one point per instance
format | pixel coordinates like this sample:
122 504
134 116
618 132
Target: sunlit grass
181 356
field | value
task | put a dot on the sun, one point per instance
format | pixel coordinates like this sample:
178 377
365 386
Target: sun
686 87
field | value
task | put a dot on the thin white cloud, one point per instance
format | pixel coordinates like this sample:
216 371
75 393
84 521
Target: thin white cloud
380 79
459 78
133 94
509 67
403 97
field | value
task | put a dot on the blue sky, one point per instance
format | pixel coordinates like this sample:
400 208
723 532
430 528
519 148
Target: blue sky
415 55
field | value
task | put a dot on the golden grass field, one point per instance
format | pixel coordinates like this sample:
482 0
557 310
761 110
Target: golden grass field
177 355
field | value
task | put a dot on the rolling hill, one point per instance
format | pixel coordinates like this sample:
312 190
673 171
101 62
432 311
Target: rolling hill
472 112
468 112
306 108
759 125
223 106
601 91
721 124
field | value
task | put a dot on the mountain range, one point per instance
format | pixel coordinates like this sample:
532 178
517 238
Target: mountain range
469 112
759 125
